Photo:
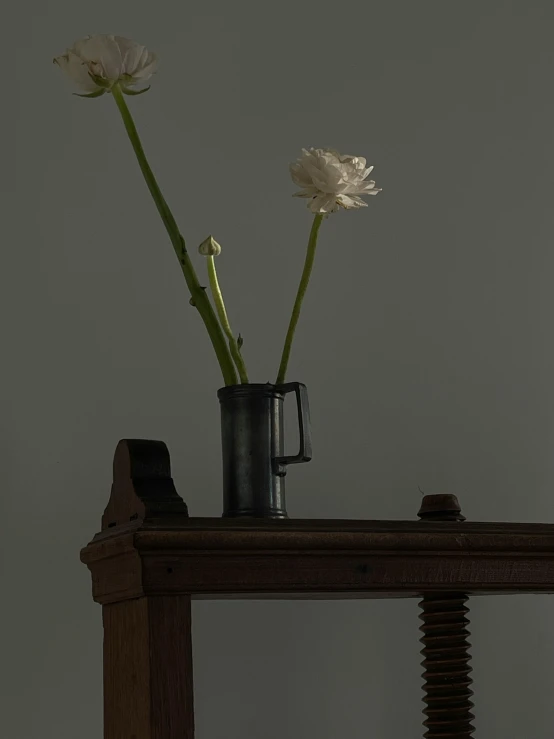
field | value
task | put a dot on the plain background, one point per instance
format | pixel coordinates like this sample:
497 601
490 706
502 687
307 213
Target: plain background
426 342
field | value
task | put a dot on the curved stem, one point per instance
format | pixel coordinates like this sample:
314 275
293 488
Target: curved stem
198 294
224 320
303 286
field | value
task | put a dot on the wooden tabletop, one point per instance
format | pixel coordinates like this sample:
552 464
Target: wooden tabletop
150 546
218 558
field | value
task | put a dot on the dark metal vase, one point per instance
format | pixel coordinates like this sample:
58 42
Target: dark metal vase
254 463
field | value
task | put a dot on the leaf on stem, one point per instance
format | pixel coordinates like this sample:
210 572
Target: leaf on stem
95 94
128 91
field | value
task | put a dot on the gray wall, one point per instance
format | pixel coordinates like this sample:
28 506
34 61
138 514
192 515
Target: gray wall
426 341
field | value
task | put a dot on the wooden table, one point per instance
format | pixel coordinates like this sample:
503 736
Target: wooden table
151 559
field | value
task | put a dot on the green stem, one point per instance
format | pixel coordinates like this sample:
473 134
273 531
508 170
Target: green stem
198 294
302 287
224 320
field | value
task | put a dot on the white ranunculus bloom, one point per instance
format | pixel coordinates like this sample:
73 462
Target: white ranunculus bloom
97 63
332 180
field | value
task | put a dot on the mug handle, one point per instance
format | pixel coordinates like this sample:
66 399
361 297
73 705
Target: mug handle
305 452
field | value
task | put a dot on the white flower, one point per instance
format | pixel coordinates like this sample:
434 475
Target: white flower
332 180
97 63
209 247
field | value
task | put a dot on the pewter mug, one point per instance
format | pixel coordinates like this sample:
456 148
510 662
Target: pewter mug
254 463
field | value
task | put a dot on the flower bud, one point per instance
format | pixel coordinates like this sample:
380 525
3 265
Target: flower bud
209 247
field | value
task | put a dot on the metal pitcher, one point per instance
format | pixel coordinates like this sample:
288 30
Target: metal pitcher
254 463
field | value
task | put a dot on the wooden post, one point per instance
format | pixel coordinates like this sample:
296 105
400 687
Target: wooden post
148 689
148 692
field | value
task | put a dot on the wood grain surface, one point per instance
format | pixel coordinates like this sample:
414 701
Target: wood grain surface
148 687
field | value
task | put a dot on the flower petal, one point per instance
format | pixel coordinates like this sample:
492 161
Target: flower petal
111 59
77 71
324 203
351 201
138 62
300 176
149 66
369 188
102 54
131 53
78 46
